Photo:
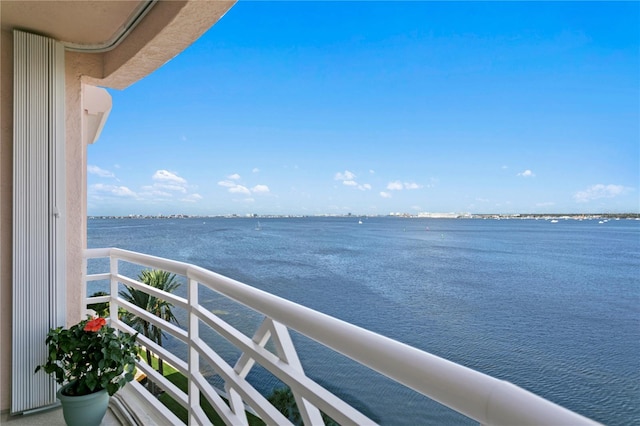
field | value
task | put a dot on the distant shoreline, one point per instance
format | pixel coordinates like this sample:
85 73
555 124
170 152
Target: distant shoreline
535 216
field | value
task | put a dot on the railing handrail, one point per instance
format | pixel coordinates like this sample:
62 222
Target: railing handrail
476 395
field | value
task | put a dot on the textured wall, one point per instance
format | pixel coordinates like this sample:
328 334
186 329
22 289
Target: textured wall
76 165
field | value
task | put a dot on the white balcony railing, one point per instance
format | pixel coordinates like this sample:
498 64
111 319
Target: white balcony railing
483 398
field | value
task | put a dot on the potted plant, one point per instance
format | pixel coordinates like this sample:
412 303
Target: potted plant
92 361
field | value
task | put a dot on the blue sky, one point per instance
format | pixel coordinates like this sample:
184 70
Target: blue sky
378 107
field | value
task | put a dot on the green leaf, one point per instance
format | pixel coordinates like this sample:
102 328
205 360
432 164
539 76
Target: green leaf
91 381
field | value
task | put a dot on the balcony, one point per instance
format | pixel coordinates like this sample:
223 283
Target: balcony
269 345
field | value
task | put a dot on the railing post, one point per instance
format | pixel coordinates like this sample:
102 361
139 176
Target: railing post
83 291
113 303
194 357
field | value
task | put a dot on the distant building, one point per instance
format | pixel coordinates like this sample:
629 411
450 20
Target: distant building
440 215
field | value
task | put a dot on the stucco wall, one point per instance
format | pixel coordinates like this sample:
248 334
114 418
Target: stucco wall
6 213
77 65
76 164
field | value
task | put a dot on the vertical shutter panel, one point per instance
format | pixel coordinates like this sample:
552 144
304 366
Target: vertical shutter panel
38 194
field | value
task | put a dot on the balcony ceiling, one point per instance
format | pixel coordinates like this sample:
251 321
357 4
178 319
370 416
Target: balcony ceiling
88 24
126 39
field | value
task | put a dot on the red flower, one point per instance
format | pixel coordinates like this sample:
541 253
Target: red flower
95 324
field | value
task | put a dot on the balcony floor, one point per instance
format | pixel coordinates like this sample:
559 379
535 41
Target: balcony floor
126 408
52 417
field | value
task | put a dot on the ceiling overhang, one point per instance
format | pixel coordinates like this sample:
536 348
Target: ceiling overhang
127 39
91 26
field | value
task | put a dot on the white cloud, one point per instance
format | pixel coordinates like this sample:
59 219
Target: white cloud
236 188
347 179
165 183
385 194
170 187
412 185
95 170
526 173
167 176
595 192
372 171
192 198
395 186
246 200
239 189
152 191
347 175
123 191
260 189
546 204
119 191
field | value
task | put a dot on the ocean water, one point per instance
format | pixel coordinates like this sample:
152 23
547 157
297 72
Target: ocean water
551 307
